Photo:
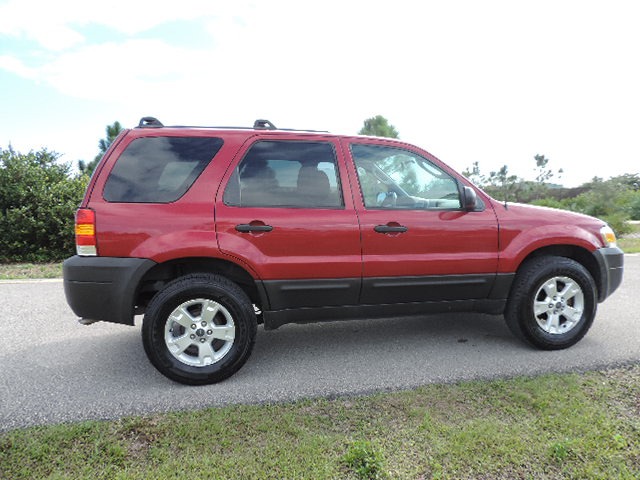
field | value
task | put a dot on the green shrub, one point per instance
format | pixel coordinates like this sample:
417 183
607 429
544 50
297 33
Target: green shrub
609 201
634 206
549 202
366 461
38 200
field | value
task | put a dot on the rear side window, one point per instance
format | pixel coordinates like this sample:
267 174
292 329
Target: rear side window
159 169
292 174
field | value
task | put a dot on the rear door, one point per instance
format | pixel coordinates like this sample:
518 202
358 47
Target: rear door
418 243
285 214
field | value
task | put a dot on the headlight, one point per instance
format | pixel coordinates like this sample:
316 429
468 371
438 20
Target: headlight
608 236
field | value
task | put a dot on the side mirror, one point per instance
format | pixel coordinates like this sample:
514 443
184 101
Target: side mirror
469 199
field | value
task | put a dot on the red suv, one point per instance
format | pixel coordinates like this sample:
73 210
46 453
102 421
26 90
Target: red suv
211 231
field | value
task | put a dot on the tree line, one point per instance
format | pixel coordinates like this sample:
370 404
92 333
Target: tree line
39 195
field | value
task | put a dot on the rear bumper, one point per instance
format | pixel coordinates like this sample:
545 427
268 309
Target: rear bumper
611 262
104 288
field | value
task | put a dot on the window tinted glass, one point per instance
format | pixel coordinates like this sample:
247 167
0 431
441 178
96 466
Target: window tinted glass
286 174
159 169
395 178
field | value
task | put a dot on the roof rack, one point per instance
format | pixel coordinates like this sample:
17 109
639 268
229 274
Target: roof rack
260 124
150 122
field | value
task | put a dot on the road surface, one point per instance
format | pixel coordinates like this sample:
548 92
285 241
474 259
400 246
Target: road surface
54 370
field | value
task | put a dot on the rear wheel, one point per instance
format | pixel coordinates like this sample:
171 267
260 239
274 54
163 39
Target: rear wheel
199 329
552 303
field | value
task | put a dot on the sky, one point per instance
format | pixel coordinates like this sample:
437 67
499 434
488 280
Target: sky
493 82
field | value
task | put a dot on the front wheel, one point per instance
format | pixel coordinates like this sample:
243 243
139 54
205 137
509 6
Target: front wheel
552 303
199 329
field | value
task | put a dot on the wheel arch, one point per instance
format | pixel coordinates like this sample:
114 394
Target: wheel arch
574 252
161 274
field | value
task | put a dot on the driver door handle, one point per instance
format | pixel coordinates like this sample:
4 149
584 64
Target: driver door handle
390 228
248 228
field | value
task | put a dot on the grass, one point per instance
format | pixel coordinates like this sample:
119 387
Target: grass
549 427
24 271
631 242
629 245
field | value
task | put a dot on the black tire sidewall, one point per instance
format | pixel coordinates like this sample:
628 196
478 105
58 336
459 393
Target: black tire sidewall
520 310
193 287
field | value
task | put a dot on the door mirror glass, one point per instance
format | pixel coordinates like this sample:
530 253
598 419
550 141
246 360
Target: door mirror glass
470 199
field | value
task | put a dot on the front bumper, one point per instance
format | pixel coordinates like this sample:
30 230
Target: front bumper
104 288
611 263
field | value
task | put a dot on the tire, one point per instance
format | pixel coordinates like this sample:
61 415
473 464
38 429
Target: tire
552 303
199 329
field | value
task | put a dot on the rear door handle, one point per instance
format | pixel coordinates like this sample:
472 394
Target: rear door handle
248 228
390 228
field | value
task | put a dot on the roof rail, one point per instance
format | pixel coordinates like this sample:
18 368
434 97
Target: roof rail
261 124
150 122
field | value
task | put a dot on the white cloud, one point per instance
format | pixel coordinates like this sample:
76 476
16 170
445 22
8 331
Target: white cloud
120 71
54 25
15 65
39 21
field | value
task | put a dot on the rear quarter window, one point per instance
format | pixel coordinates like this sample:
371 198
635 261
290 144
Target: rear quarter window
159 169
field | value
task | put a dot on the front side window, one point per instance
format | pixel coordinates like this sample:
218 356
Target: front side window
396 178
159 169
286 174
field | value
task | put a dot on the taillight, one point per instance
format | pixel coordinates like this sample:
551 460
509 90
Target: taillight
86 232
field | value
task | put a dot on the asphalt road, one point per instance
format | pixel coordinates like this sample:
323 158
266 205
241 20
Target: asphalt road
54 370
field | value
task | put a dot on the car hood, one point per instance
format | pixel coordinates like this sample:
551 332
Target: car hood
546 214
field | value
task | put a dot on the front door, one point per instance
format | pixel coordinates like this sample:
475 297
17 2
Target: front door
418 243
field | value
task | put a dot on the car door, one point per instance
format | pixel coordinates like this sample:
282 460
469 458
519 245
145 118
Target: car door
284 214
418 242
